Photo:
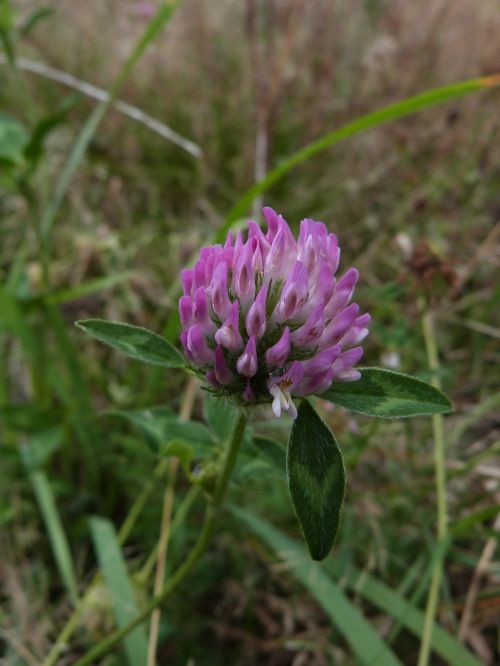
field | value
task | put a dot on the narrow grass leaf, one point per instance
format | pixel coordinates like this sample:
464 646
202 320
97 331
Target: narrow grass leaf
7 28
316 480
387 394
57 536
400 608
89 288
115 574
134 341
464 525
400 109
151 422
28 418
34 18
77 395
367 586
154 27
14 321
366 645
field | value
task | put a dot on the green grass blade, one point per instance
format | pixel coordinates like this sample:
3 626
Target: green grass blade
76 396
154 27
374 591
465 524
365 643
120 589
401 609
55 529
14 322
400 109
34 18
88 288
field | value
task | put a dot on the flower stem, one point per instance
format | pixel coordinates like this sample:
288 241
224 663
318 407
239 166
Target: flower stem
440 474
198 549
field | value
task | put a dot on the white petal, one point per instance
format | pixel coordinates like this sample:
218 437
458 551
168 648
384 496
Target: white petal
276 406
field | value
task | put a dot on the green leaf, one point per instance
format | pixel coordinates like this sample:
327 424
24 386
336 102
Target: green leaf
219 415
189 431
41 447
114 569
134 341
161 427
316 479
366 644
14 321
178 448
261 458
53 523
7 30
13 139
405 107
28 418
388 394
271 451
151 422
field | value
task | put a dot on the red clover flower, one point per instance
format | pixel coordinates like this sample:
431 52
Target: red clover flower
266 320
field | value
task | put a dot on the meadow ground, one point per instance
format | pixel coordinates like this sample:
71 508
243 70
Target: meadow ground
416 206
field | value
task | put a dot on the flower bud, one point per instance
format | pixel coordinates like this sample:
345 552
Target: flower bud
247 363
198 348
256 317
228 335
278 353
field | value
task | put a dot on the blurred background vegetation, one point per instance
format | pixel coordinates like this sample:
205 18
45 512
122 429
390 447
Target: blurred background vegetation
416 206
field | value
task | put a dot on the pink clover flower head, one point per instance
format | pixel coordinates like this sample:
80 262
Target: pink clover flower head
145 9
266 319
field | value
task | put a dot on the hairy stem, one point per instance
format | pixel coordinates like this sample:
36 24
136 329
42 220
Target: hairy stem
198 549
